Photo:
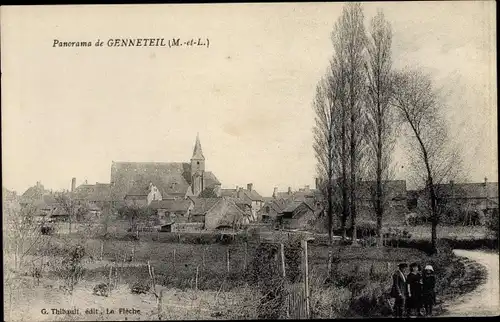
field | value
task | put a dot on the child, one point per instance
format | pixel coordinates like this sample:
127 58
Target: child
428 292
414 289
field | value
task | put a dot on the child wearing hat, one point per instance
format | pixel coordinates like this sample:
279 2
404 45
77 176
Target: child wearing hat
428 289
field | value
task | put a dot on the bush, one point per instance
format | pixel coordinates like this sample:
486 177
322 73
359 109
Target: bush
265 274
492 223
140 287
397 233
47 230
451 243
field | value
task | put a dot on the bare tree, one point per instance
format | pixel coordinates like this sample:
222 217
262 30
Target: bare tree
324 140
434 157
23 231
380 119
75 209
349 44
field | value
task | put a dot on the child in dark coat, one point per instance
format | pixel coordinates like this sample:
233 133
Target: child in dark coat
414 280
428 289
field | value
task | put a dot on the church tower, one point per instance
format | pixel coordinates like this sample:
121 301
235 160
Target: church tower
197 167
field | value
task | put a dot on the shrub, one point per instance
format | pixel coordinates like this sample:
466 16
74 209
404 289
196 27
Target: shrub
140 287
101 289
492 223
47 230
265 274
71 268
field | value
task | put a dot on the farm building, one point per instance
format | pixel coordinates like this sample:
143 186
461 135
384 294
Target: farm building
172 210
395 201
215 213
477 199
247 199
297 215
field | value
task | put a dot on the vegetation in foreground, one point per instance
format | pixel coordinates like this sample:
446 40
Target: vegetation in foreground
357 283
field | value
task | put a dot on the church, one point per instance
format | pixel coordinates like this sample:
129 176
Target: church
143 182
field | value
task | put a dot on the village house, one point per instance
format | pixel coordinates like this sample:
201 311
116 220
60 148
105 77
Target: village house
33 194
249 200
478 199
297 215
293 209
172 211
395 203
218 213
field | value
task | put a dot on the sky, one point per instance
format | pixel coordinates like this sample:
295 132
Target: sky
70 112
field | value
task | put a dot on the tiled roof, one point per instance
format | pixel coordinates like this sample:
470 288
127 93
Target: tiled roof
244 195
134 177
171 205
252 195
468 190
291 206
202 205
210 180
33 194
396 189
89 192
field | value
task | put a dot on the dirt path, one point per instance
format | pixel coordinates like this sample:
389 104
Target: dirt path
485 299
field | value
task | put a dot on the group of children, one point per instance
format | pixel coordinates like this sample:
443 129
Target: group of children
414 291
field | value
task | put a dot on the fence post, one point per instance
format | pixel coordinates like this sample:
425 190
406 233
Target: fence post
102 250
246 255
306 276
174 259
160 313
329 261
196 282
109 279
287 295
228 267
282 247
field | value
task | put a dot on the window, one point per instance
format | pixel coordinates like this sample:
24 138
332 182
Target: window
267 209
198 162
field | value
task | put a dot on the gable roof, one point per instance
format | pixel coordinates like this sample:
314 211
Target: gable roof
203 205
171 178
172 205
90 192
33 194
209 180
468 190
252 195
294 204
396 189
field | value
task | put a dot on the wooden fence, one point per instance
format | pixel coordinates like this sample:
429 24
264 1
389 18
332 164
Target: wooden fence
296 302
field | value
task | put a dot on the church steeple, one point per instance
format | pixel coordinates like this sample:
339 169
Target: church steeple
197 152
197 168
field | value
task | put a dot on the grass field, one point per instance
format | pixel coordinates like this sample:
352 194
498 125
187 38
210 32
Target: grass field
461 232
196 275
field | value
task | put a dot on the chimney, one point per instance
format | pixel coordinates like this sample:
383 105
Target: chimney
485 180
73 184
85 182
307 190
317 183
249 186
289 190
275 192
238 192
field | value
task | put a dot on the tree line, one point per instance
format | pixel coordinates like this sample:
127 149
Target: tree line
362 104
